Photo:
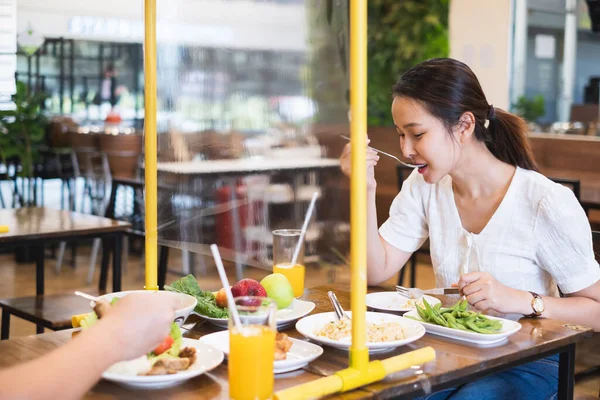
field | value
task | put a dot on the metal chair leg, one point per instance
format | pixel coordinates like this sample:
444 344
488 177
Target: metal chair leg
60 257
162 266
413 270
125 253
2 197
187 262
5 329
94 256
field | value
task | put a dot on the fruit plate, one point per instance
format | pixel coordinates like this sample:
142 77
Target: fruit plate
394 302
309 326
207 358
299 355
508 328
285 317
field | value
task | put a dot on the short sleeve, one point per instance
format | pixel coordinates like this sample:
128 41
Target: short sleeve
406 228
564 237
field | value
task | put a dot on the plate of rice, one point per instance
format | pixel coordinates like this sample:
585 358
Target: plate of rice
385 331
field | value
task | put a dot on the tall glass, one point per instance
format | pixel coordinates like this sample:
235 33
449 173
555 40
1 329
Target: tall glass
284 245
252 349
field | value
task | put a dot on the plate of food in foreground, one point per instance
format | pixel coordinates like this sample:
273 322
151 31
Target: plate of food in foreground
290 354
384 331
173 361
152 371
458 323
394 302
213 306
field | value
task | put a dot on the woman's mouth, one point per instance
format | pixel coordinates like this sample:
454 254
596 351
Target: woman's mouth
422 168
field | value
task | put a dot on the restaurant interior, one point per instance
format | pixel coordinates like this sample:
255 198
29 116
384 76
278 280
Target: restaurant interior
130 145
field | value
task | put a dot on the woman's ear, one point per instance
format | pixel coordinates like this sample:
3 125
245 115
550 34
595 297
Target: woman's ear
466 127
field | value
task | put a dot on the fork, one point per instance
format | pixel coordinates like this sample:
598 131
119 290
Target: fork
415 293
389 155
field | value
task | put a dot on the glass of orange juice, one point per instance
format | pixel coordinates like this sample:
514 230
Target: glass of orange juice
284 245
252 349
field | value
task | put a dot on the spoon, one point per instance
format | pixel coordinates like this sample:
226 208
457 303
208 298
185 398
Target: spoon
389 155
339 311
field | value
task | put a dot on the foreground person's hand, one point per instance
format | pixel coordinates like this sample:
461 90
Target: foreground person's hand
138 323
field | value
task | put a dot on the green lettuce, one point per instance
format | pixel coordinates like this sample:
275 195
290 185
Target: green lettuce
177 341
207 304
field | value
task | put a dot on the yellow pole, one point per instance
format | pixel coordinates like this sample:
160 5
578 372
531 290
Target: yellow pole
359 354
150 143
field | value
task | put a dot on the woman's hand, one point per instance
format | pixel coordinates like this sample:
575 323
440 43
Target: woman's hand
372 158
483 292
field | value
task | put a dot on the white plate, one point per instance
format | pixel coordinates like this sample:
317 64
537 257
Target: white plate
392 301
300 354
508 328
285 317
309 326
207 358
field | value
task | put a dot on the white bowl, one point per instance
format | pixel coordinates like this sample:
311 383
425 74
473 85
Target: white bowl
186 303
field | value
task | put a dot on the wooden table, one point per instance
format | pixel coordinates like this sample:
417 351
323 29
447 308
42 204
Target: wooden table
243 166
37 227
455 364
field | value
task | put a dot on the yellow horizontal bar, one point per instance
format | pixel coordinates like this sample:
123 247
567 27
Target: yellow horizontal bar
407 360
352 378
311 390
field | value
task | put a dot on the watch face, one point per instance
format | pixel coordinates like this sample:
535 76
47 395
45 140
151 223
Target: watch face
538 305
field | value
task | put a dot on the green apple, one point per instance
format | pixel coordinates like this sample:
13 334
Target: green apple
279 289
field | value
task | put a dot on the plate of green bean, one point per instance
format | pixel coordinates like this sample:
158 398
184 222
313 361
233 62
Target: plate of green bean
458 323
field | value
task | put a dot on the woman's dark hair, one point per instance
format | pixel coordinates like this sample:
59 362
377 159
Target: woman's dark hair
448 88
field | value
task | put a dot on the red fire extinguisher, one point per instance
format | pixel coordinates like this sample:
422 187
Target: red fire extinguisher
225 229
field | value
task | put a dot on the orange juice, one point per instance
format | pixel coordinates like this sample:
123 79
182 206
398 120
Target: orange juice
251 353
294 274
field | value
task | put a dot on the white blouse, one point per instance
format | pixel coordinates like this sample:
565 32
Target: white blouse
538 237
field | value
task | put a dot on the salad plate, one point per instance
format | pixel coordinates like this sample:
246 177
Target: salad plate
284 317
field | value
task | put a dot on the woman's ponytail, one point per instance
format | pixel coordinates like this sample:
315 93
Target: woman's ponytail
507 139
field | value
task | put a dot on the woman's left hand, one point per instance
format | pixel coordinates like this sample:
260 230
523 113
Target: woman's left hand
484 292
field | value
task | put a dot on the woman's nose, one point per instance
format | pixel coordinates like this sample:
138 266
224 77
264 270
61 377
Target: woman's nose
408 151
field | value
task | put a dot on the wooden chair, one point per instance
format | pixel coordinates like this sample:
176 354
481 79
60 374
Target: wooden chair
46 311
